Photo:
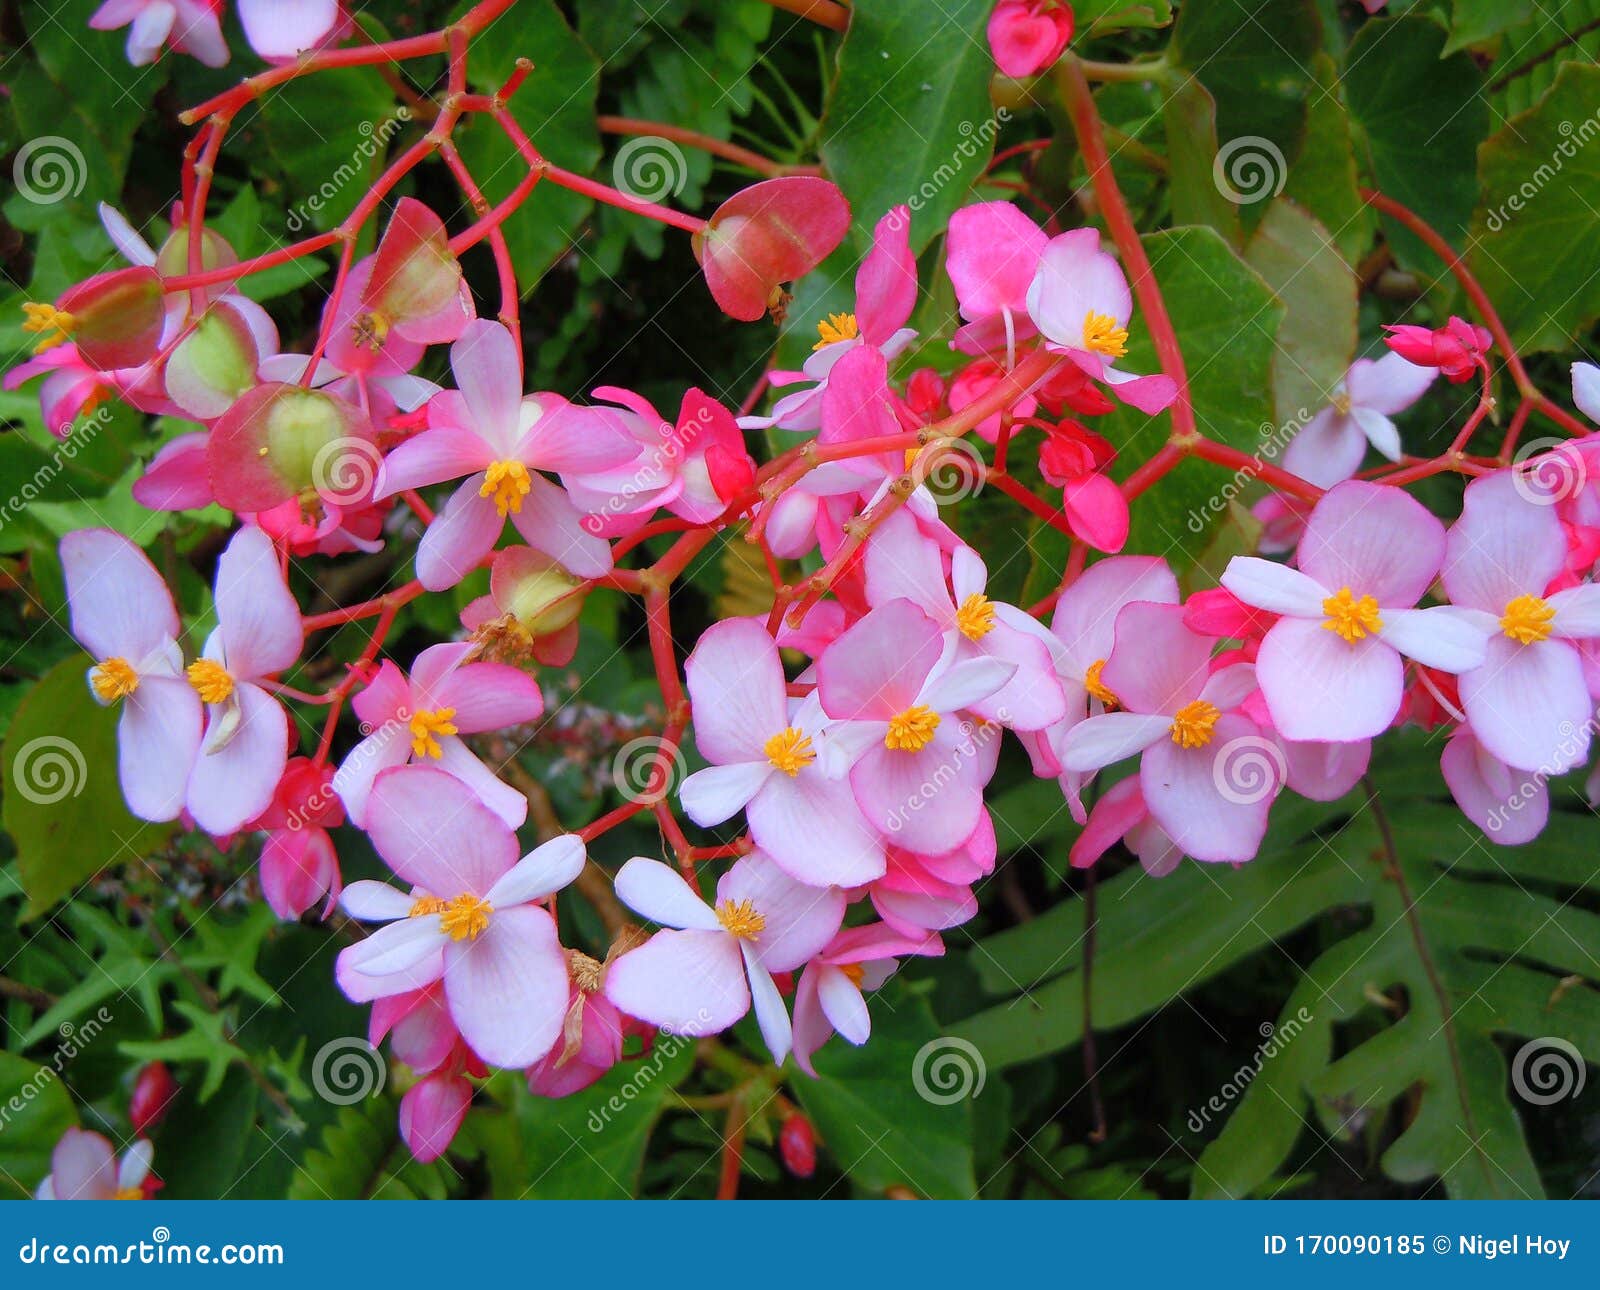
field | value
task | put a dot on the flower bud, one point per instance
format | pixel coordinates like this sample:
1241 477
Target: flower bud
153 1092
766 235
283 441
797 1144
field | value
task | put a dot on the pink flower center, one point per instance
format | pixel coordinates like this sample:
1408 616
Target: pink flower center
1194 724
463 918
210 680
1101 335
836 327
789 751
508 483
975 618
740 918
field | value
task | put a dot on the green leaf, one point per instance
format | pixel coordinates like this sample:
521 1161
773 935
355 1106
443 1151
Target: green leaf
1227 320
909 119
329 135
1422 116
886 1110
1525 68
1256 61
1317 338
1532 246
556 107
1102 17
1323 177
78 104
1475 21
38 1113
63 804
206 1041
361 1157
1190 118
590 1146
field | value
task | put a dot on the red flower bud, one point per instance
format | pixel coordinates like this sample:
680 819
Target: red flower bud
765 235
797 1144
153 1092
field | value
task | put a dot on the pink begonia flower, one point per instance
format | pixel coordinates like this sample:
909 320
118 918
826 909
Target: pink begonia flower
123 615
70 389
471 918
1586 389
1082 633
886 293
975 380
407 295
693 467
1176 711
1329 448
918 770
1331 667
431 1113
1283 522
901 563
1527 704
829 999
258 634
1120 815
699 975
488 431
1027 36
592 1036
418 720
1080 302
1457 349
83 1166
913 901
280 30
298 868
771 762
189 26
994 251
1511 806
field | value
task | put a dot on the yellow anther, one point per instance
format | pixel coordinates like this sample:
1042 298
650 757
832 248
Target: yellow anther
508 483
425 726
210 680
1101 335
1351 617
114 679
51 325
789 751
975 618
836 327
465 917
1096 687
1194 724
911 730
1527 619
740 918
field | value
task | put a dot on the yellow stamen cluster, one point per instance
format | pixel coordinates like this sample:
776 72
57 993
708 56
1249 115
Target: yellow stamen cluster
53 326
1101 335
369 330
911 730
836 327
1096 687
210 680
975 618
114 679
854 971
425 726
789 751
422 906
465 917
129 1193
1351 617
740 918
508 483
1194 724
1527 619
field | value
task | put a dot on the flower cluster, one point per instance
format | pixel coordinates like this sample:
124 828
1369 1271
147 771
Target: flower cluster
856 727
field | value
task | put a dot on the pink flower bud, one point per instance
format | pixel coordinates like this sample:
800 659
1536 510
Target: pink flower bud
766 235
153 1092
